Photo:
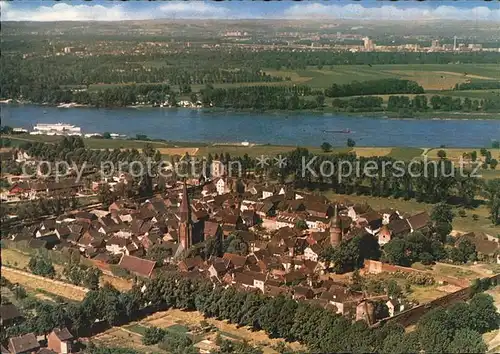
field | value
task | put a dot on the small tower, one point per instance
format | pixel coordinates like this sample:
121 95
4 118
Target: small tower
335 229
185 224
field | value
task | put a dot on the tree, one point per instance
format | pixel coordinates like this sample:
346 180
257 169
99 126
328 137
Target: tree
105 196
395 252
464 252
301 224
441 154
41 266
175 343
493 164
394 291
495 144
435 331
106 135
326 147
320 100
491 192
442 212
467 341
485 316
351 142
153 335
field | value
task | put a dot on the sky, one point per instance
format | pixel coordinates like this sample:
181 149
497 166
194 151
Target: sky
107 10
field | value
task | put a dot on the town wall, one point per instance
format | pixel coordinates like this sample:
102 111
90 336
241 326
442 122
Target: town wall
411 316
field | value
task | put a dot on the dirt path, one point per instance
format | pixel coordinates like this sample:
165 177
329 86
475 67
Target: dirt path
32 281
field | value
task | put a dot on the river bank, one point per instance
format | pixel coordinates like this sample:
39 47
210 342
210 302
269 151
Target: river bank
433 115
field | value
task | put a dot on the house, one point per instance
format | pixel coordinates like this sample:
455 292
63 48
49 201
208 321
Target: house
9 314
384 235
235 261
138 266
293 277
60 341
485 247
319 210
372 221
419 222
222 186
356 210
190 264
340 297
394 307
249 279
25 344
302 293
218 268
389 215
250 217
313 252
399 227
267 192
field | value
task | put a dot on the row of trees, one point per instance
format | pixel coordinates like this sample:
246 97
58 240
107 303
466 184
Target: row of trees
359 104
321 330
477 85
374 87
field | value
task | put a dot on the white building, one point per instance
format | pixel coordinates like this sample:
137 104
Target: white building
56 129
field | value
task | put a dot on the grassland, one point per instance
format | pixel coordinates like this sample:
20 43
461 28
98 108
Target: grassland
16 259
433 77
430 76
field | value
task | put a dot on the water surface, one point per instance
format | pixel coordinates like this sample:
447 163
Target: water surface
305 129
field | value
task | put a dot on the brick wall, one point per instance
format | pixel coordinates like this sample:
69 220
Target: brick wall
377 267
411 316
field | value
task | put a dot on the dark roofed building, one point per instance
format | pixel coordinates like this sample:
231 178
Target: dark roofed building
419 221
9 314
399 227
138 266
24 344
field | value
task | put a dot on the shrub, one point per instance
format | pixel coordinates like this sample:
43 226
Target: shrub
41 266
153 335
119 271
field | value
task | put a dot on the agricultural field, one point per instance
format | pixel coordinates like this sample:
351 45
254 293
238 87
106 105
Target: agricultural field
179 320
433 77
430 76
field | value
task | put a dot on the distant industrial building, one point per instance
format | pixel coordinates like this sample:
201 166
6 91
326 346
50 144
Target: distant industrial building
369 45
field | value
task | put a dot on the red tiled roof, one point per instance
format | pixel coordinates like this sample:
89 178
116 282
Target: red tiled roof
137 265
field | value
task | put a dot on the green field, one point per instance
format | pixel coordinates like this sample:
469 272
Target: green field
434 77
430 76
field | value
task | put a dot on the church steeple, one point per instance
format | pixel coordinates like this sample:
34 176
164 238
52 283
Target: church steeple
185 224
335 228
184 210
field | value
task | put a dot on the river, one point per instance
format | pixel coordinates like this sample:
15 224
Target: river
305 129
